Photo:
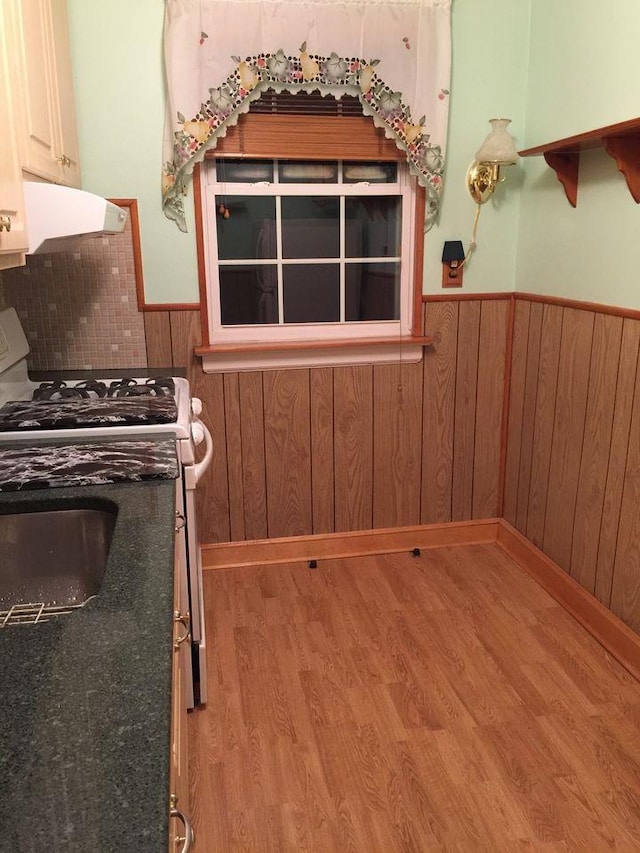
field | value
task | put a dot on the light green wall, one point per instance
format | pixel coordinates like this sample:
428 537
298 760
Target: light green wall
583 74
119 87
584 66
489 76
554 68
117 57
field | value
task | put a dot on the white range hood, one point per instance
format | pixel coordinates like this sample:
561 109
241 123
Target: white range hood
60 218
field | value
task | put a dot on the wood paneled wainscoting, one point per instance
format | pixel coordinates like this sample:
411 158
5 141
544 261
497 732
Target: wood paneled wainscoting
572 478
325 450
526 407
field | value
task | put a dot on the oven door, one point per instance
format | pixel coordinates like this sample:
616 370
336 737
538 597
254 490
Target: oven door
182 612
196 604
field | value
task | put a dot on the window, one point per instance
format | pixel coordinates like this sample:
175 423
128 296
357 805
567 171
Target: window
299 244
306 253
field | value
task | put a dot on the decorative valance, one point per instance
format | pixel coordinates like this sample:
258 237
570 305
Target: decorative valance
221 55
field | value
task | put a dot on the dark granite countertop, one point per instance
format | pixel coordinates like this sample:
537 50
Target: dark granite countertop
85 708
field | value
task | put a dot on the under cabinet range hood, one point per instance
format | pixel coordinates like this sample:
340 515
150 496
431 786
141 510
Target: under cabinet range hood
60 218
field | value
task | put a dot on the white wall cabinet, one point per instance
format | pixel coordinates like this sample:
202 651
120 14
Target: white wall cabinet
38 137
13 232
47 125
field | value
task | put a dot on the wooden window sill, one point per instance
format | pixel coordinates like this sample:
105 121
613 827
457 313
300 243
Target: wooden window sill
220 358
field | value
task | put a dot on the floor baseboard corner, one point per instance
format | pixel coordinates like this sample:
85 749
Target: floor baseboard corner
607 628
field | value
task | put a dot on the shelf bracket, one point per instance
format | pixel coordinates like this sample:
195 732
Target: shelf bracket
621 142
625 150
566 166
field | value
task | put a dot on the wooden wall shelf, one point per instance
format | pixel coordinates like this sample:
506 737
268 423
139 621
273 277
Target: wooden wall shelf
621 141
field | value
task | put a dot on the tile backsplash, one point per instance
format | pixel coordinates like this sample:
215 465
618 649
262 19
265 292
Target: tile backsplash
79 309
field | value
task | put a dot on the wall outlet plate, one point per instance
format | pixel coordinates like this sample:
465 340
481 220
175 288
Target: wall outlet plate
452 274
452 263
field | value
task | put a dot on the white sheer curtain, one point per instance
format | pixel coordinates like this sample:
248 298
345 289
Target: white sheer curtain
220 55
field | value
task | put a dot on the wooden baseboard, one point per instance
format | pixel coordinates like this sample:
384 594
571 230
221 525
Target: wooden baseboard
610 631
616 637
358 543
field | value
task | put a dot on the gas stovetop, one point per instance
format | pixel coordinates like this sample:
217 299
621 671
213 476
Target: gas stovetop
89 403
84 406
98 389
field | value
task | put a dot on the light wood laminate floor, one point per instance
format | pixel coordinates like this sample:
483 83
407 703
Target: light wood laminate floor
393 703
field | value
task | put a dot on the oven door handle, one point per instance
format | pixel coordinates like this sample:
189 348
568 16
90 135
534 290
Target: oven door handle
200 467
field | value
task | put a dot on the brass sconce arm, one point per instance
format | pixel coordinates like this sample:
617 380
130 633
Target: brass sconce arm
483 175
482 180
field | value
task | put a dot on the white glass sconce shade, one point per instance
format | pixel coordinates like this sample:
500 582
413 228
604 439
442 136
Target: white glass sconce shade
499 146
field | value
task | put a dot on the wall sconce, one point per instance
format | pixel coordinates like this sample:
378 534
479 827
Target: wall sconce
483 175
498 149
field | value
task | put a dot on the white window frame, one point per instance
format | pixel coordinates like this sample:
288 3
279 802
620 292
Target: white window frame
268 337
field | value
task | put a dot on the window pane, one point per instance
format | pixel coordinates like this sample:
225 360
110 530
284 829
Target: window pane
310 227
311 293
373 226
374 173
244 171
372 292
307 173
249 295
248 231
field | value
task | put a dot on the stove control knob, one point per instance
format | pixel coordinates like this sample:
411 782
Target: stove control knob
196 406
197 432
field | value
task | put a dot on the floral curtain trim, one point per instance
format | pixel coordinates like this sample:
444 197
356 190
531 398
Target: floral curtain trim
305 72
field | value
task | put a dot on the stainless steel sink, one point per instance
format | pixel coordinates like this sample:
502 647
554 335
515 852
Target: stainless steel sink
52 559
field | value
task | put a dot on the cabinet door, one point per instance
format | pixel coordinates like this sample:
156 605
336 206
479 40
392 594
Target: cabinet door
179 770
13 242
48 121
64 96
40 152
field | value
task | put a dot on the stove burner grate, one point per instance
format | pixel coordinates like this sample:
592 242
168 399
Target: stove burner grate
59 391
162 386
